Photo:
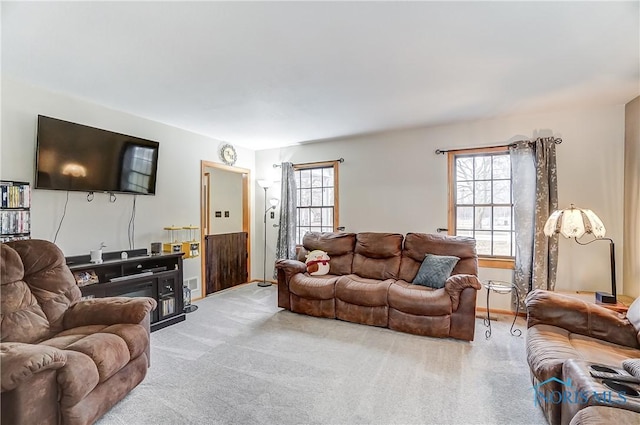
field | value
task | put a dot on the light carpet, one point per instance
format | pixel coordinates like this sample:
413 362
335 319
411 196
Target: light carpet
239 359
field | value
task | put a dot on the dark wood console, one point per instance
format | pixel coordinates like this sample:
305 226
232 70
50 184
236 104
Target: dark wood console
140 275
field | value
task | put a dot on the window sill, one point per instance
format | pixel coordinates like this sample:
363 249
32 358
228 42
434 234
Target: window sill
496 263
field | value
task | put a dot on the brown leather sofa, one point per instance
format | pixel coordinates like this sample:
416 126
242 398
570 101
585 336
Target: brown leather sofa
369 282
64 361
565 337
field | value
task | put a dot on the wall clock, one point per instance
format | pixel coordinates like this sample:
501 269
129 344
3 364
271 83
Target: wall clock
228 154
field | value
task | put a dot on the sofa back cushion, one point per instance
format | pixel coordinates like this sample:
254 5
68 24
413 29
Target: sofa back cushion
377 255
339 247
37 289
417 245
22 317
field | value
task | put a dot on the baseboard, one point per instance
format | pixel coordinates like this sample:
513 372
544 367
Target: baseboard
273 282
501 311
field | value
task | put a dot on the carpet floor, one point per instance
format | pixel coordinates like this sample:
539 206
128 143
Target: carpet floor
239 359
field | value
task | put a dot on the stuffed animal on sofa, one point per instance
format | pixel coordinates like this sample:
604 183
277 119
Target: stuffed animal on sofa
317 263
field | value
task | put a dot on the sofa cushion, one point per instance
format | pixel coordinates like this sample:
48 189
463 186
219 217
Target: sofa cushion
135 336
549 346
109 347
50 280
598 415
22 317
339 247
77 378
109 352
434 270
419 300
358 290
377 255
632 366
313 287
417 245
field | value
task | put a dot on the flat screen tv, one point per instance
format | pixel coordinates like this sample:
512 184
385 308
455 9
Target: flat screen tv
72 156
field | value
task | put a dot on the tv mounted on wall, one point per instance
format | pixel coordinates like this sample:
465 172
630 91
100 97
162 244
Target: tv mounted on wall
72 156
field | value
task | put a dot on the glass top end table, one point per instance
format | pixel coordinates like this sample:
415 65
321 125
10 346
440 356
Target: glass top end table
500 287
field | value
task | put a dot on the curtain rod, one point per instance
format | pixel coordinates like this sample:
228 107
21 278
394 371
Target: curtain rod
555 140
340 160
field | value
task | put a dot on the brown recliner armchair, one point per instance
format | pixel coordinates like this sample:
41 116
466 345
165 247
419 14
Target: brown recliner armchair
564 332
64 361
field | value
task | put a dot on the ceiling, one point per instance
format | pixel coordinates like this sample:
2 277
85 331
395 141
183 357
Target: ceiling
269 74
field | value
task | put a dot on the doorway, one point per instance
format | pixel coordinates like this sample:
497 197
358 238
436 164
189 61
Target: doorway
224 201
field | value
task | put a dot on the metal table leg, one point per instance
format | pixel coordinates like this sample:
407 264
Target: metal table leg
487 321
516 332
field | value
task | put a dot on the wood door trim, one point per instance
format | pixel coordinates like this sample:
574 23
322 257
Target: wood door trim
246 216
206 186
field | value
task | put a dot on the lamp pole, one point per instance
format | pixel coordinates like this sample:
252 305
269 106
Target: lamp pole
264 282
265 184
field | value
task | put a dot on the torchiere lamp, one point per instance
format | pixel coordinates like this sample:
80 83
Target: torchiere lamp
273 202
574 223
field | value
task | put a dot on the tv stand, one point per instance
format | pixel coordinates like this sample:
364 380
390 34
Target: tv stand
140 275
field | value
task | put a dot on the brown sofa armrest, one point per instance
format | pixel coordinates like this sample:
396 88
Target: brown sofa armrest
108 311
291 267
286 269
456 283
21 361
580 317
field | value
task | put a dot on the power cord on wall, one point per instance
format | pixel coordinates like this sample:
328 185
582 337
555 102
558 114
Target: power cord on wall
64 212
131 232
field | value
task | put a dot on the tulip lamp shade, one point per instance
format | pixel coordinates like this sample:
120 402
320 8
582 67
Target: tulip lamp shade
576 222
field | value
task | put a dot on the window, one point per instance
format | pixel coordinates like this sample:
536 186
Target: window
317 198
480 203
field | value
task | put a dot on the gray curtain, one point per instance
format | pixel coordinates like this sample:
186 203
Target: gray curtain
535 197
286 247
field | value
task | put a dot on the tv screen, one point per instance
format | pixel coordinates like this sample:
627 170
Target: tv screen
72 156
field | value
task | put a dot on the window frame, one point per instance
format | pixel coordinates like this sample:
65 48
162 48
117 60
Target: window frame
487 261
336 197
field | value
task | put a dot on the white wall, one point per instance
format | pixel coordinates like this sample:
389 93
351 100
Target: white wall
265 270
632 199
393 182
86 224
226 195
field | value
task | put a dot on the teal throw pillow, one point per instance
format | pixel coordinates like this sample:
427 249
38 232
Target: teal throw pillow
435 270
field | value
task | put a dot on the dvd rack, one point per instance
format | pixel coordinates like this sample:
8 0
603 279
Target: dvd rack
15 213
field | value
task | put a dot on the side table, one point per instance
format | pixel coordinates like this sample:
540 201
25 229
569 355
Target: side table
621 306
501 288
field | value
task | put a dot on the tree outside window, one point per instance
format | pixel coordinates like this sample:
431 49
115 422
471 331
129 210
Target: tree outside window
481 205
317 198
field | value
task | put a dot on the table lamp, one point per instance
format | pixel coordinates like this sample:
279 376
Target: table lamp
574 223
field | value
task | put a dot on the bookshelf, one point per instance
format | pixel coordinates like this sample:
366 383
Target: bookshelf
15 210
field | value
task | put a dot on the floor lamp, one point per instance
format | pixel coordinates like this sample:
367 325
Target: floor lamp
574 223
273 202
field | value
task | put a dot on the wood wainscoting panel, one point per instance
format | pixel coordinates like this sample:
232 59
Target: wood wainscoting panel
226 262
